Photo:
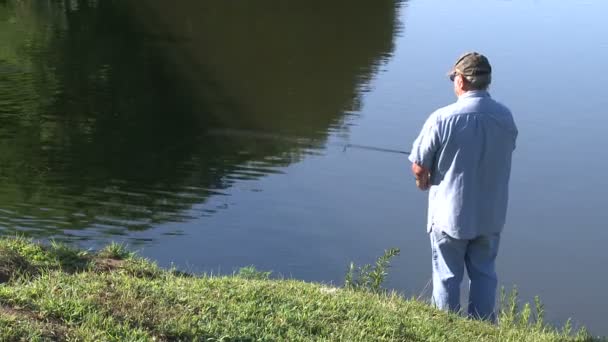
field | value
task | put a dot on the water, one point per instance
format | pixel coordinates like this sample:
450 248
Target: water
210 134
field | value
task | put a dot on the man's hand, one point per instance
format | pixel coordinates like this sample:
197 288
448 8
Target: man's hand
423 181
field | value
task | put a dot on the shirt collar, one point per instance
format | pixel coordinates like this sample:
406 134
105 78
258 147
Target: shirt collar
474 93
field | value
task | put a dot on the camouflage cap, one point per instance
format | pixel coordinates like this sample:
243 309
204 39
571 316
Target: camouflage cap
472 65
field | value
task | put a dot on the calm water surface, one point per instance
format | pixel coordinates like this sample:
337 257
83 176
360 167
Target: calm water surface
210 134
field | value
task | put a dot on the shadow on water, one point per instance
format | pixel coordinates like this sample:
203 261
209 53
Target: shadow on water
107 107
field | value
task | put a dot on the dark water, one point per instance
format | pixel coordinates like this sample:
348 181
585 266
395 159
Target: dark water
210 134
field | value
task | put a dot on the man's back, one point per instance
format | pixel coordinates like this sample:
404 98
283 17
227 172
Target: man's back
470 170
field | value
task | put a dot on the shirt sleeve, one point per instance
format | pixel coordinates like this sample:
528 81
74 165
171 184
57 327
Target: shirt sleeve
427 143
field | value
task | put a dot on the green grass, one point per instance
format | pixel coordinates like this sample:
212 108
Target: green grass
58 293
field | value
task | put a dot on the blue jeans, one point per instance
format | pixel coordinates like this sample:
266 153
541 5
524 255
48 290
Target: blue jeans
450 256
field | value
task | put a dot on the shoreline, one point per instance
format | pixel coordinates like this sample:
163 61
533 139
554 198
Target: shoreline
54 293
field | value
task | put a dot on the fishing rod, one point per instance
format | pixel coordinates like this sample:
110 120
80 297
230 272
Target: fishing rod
374 148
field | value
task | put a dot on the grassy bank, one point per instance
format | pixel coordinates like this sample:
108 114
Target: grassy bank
57 293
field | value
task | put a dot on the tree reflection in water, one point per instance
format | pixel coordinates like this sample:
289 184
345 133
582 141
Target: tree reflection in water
106 106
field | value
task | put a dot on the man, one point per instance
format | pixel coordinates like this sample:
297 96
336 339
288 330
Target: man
463 155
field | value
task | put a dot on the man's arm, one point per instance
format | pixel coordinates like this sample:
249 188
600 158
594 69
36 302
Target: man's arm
423 152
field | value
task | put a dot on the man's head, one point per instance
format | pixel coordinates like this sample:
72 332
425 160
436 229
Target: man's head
472 71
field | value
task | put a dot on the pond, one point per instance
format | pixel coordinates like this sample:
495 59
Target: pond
211 135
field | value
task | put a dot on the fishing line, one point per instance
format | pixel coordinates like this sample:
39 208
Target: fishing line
297 141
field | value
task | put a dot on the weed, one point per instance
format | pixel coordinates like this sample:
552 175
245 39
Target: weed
511 317
250 272
368 277
115 251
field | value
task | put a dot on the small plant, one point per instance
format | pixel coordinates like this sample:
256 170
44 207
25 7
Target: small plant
511 316
250 272
368 277
67 257
540 314
116 251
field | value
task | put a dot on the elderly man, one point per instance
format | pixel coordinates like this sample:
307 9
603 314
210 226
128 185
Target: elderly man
463 155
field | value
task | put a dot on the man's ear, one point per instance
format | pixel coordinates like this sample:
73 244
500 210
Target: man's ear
459 80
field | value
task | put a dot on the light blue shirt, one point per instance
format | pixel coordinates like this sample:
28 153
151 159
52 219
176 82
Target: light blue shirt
467 146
